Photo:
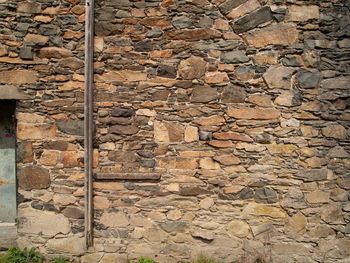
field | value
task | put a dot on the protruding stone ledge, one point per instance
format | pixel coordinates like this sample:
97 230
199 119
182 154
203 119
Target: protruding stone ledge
128 176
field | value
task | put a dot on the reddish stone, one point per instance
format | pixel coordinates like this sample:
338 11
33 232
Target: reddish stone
221 144
277 34
55 52
155 21
72 159
33 177
232 136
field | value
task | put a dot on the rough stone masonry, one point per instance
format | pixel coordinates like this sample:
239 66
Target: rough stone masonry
220 127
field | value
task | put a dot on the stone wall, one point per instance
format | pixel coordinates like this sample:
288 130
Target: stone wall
221 127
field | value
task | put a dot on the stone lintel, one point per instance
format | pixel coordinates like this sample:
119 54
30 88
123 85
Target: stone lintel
10 92
128 176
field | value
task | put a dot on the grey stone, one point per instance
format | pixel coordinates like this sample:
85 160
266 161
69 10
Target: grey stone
233 94
337 152
144 46
73 127
56 41
193 191
228 5
149 163
105 14
43 206
123 112
49 30
205 22
181 22
205 136
291 61
65 20
203 94
308 79
234 57
154 32
124 130
312 175
119 3
244 194
73 212
166 71
146 154
26 53
279 14
265 195
252 20
22 27
122 14
33 177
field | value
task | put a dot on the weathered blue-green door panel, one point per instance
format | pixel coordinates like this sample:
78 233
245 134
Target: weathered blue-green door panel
8 205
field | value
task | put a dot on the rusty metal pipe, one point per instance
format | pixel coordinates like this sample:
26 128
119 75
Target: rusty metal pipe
88 121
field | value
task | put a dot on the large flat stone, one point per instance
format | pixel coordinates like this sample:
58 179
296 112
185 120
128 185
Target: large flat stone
302 13
29 131
33 177
9 92
279 77
253 209
18 77
253 113
33 221
74 245
278 34
168 132
192 68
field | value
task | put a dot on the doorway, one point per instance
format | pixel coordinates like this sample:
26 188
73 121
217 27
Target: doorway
8 190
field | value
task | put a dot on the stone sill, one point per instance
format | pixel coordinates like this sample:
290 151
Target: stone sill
128 176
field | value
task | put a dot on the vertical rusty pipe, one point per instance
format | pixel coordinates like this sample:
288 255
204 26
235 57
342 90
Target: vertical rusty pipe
88 120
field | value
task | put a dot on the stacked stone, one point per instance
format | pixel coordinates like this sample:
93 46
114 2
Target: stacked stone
41 60
221 127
